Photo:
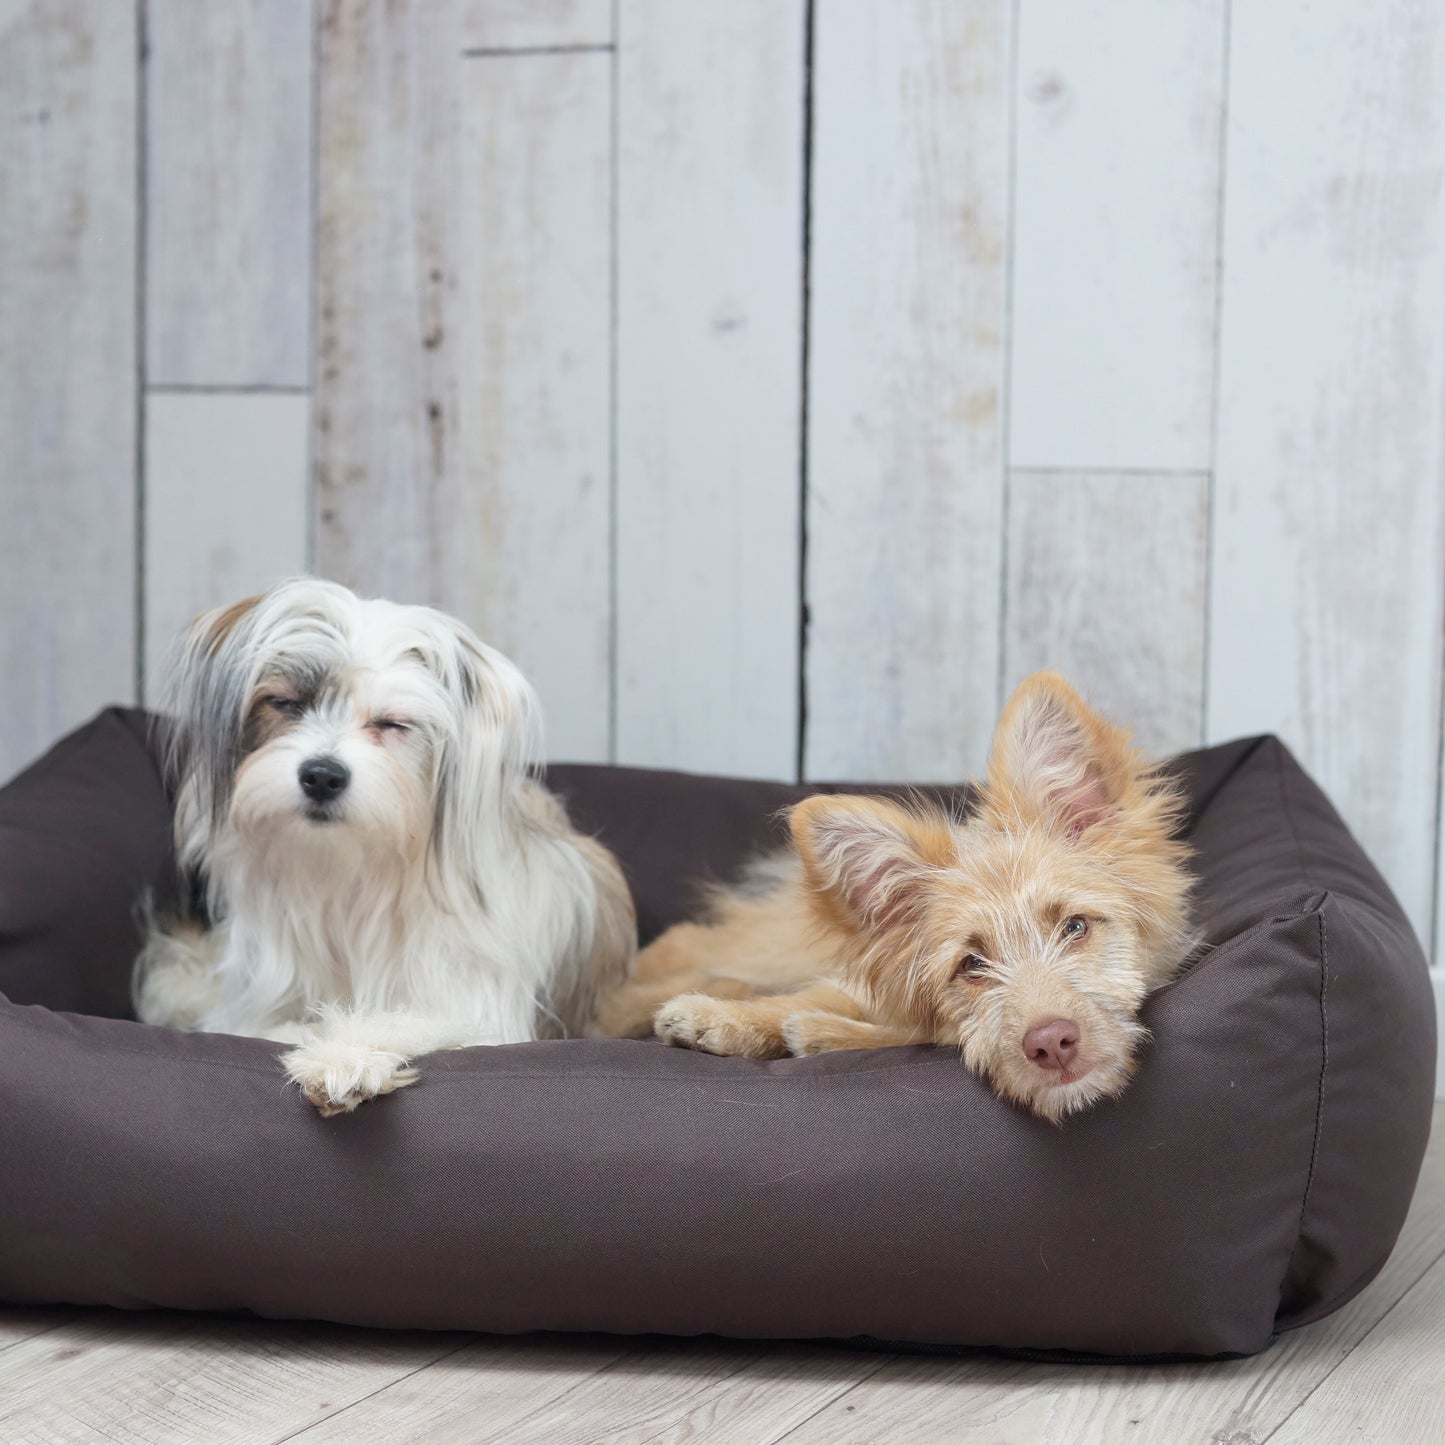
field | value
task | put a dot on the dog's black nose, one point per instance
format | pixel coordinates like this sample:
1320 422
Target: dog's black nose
323 779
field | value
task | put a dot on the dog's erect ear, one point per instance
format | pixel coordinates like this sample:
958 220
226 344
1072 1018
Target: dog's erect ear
1057 762
869 858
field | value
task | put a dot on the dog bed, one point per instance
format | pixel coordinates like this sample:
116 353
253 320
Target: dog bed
1253 1178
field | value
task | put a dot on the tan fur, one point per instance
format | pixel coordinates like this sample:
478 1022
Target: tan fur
863 942
224 620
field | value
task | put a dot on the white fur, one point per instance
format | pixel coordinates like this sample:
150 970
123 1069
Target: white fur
440 901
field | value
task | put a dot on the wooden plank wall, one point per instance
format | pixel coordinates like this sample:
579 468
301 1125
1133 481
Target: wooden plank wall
69 222
779 381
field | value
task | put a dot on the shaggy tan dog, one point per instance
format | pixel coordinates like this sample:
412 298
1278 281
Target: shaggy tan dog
1027 933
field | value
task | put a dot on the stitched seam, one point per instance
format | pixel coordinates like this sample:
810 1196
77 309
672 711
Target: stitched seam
1320 1101
1324 1027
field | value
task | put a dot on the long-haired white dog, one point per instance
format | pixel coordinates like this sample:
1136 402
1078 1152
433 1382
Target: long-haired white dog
382 875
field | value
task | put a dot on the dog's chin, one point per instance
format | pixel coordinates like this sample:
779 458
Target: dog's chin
298 829
1055 1094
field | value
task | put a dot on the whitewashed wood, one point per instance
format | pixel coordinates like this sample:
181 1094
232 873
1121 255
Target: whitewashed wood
765 1400
1115 233
168 1379
559 1391
566 1392
522 519
1326 595
1389 1390
905 430
1106 585
68 367
228 193
533 24
226 505
385 411
709 314
17 1324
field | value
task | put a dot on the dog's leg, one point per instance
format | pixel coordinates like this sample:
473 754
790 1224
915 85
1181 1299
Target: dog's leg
175 982
678 962
817 1032
347 1058
754 1027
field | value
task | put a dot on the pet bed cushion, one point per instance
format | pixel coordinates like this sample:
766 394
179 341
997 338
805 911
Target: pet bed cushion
1253 1178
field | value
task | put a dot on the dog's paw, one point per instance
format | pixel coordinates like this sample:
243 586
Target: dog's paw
811 1033
337 1075
714 1026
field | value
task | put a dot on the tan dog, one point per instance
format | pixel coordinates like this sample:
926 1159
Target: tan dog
1028 933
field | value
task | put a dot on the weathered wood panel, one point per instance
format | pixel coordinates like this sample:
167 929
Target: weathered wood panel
1106 585
533 24
1391 1390
905 430
1326 597
385 410
523 518
226 505
68 179
1115 233
709 314
228 193
463 413
165 1378
545 1389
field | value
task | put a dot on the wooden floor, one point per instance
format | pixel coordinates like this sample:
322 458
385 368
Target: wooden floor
1374 1371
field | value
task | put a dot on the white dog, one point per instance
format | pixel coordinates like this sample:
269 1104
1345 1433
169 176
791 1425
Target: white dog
382 875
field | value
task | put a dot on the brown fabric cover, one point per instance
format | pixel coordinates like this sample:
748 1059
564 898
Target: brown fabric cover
1254 1177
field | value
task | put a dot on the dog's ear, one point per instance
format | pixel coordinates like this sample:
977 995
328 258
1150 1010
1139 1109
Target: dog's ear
198 727
1056 762
868 859
493 740
211 631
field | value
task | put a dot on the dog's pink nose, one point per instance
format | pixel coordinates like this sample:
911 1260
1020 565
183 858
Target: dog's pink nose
1053 1045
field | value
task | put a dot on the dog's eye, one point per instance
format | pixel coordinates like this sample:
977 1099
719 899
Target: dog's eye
971 966
286 706
390 725
1076 927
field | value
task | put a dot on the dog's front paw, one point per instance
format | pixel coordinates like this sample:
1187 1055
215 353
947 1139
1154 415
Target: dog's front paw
811 1033
715 1026
337 1075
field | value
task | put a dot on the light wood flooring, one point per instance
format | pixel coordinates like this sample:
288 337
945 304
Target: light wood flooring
1375 1371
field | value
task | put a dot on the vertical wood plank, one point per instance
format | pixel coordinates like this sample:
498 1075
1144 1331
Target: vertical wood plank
68 179
534 24
1326 597
228 193
709 305
226 505
905 436
463 408
524 518
1115 234
1106 585
384 413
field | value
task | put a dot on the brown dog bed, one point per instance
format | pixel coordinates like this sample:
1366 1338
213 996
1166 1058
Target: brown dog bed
1253 1178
